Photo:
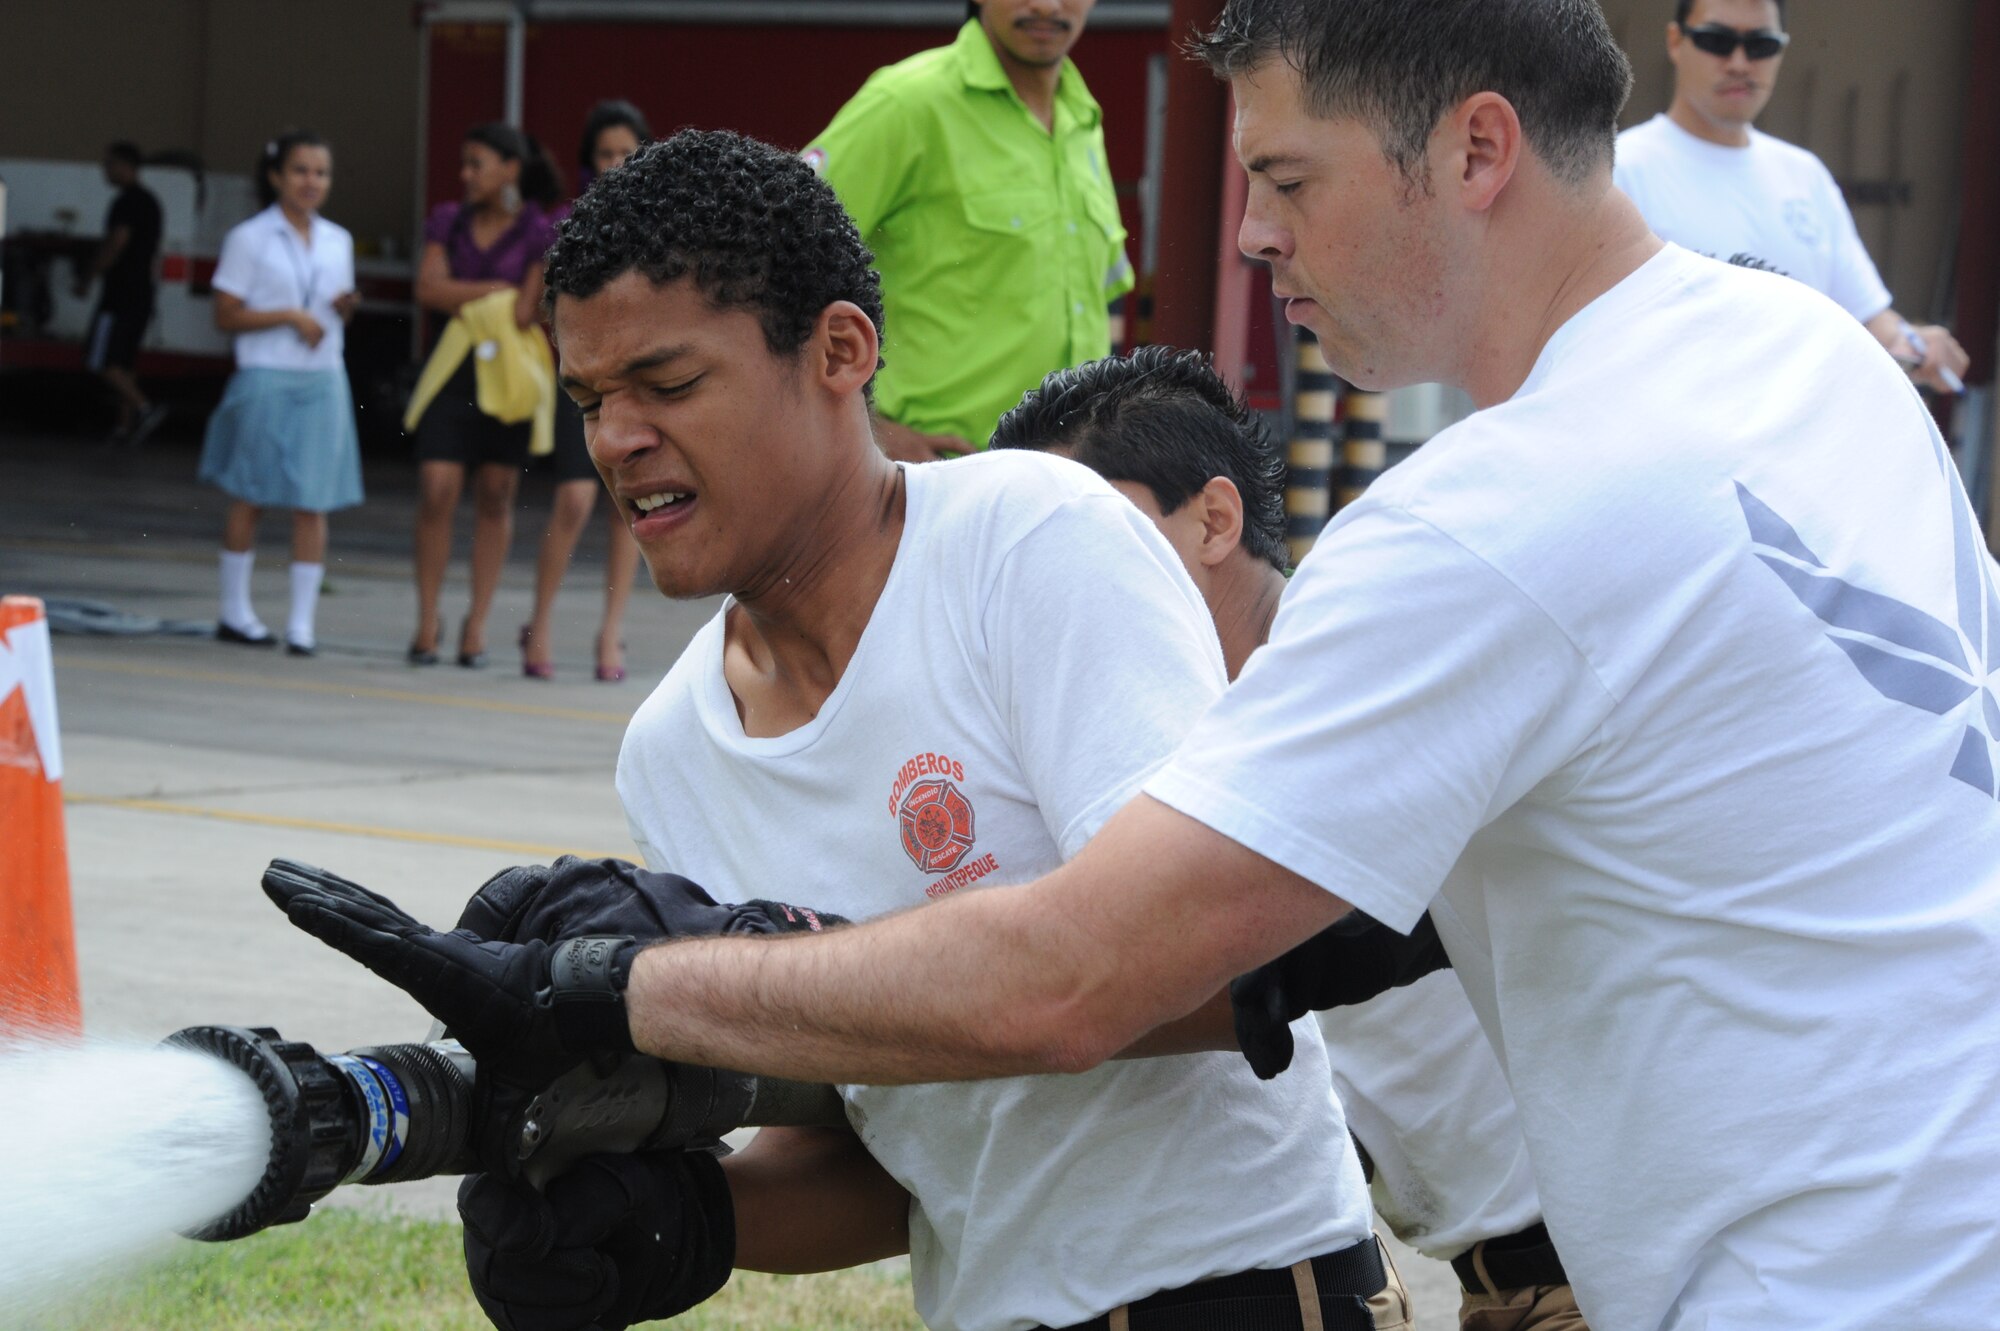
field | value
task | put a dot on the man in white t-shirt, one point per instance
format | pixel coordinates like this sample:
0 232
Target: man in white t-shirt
910 695
1684 740
1706 178
1425 1098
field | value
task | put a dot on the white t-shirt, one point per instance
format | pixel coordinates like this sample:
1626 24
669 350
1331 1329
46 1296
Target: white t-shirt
1036 653
1426 1097
1772 202
1667 680
266 266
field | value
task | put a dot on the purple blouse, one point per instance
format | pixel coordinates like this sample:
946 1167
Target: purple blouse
521 245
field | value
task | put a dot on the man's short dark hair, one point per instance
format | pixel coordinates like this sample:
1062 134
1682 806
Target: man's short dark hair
1401 65
751 224
1166 420
124 150
1682 8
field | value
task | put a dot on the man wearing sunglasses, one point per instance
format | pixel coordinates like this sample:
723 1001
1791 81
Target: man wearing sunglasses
1705 178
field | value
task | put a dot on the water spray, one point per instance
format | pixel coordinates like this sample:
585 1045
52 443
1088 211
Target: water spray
398 1112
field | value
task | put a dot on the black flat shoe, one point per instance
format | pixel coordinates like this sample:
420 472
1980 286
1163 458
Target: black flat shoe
421 656
299 649
472 660
224 633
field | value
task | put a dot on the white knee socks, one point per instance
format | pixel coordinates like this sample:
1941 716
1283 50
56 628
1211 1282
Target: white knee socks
235 612
306 579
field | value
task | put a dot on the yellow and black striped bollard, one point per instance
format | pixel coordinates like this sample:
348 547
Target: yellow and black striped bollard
1310 458
1364 451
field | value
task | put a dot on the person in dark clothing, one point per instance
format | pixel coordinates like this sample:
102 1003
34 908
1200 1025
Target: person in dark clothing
124 271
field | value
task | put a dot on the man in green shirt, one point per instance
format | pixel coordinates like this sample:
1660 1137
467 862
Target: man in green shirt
976 173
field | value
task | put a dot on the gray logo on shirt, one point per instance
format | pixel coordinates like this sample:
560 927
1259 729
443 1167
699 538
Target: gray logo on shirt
1905 654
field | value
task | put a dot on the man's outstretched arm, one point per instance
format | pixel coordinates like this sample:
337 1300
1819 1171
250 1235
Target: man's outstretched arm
1155 916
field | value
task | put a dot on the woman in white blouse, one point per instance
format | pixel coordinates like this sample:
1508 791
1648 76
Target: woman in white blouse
283 436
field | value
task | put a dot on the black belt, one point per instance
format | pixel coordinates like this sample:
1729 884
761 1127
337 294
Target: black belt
1265 1300
1516 1261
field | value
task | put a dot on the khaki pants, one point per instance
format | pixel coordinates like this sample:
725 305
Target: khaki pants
1392 1306
1537 1308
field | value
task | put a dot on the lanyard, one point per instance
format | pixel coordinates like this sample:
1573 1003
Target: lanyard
307 272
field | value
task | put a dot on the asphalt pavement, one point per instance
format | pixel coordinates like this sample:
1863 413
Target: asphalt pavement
191 763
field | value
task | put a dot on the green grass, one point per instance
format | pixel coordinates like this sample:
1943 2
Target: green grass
340 1271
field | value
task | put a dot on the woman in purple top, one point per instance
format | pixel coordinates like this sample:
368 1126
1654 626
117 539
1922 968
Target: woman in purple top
612 132
493 241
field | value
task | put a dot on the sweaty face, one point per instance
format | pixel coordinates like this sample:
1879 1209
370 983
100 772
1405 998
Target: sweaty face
1357 253
485 174
1727 91
614 144
703 436
1035 32
305 178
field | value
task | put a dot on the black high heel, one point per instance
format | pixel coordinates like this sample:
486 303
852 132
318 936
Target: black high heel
470 660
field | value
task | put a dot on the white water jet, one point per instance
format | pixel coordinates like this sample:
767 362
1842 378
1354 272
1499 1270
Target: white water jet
112 1149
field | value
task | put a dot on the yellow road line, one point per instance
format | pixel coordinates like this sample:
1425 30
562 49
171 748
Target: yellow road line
344 829
344 690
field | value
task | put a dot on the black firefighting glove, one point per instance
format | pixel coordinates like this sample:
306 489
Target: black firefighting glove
526 1012
1349 962
575 898
616 1239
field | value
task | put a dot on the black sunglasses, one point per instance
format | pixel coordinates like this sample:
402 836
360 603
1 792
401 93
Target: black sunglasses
1715 39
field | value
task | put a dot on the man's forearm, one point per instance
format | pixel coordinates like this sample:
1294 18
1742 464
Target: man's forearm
813 1199
944 992
1210 1028
1054 976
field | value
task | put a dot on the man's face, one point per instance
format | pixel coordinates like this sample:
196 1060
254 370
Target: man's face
1035 32
1360 256
118 173
705 438
1728 91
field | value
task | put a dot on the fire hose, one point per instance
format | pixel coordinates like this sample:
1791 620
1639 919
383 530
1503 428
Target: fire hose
397 1112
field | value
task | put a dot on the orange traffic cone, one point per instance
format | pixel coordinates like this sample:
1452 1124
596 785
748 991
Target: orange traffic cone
38 988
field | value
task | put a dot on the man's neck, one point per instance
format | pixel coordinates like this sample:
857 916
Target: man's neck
1246 595
1034 84
1724 134
795 628
1574 254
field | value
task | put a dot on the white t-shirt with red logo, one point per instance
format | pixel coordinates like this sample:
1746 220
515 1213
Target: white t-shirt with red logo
1035 655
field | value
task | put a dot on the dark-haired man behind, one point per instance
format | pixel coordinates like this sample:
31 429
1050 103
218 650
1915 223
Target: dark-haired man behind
1684 739
977 174
1424 1095
1705 177
871 720
126 296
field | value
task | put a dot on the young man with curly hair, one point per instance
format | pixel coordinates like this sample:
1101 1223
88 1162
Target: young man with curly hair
909 694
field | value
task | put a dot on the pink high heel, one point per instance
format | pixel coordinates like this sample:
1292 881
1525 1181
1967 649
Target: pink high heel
534 669
610 674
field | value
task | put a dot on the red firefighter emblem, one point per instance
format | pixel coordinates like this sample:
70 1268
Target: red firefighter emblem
936 824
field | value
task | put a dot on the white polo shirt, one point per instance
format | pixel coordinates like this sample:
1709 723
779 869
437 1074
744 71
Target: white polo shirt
1687 741
266 266
1036 653
1772 204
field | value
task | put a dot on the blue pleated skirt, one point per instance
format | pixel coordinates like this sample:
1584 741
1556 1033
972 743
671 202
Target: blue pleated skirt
285 439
